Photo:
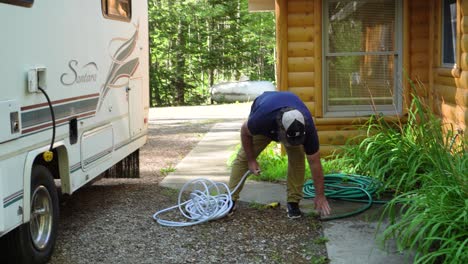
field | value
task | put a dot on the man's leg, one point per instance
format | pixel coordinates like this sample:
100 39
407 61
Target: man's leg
296 171
240 166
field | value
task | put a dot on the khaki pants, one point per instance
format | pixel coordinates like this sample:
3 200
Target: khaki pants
296 168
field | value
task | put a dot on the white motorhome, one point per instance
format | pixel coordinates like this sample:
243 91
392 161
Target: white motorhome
74 101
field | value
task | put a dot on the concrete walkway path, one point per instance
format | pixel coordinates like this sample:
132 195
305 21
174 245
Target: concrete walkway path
351 240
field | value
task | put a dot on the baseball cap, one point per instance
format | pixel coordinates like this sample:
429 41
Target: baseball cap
294 126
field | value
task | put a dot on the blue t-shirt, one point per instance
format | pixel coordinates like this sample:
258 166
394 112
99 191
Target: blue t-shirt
264 111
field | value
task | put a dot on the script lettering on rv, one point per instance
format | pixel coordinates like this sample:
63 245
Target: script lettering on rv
85 74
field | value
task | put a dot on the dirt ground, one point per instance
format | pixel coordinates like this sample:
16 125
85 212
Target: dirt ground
111 221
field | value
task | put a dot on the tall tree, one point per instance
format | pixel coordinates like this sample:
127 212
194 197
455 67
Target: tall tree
197 43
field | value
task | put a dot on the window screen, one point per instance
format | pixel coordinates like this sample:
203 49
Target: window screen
361 55
449 33
117 9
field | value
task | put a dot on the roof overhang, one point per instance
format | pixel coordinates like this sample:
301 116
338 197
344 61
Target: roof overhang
261 5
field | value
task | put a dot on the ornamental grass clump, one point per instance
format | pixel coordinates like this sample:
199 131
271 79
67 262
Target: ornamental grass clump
397 154
427 169
433 218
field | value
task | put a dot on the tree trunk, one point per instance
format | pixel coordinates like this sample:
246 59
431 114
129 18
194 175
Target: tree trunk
180 62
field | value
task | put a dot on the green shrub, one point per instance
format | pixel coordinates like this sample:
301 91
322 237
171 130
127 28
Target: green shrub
428 171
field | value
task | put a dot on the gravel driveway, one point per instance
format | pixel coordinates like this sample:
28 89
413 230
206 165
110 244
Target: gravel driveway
110 221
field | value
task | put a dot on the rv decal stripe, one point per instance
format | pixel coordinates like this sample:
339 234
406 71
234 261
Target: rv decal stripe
121 144
97 156
120 66
40 116
29 107
126 70
75 167
5 205
127 142
9 200
58 122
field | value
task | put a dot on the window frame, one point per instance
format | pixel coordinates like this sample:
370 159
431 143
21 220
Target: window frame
105 13
350 110
23 3
444 64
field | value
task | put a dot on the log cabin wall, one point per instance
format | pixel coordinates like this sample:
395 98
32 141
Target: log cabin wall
417 47
299 36
299 65
449 92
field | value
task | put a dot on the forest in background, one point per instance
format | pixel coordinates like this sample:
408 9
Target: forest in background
195 44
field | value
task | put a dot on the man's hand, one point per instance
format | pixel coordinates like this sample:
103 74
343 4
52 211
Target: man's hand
247 144
320 201
254 167
321 205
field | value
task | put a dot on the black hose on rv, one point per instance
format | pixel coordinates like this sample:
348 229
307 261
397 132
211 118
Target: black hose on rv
48 155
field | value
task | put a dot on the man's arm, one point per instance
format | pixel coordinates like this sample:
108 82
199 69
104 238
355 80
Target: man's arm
247 145
320 201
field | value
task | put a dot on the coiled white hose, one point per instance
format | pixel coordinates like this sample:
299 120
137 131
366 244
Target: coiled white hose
208 201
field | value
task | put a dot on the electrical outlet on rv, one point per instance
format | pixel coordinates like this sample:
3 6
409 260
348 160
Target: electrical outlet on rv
37 77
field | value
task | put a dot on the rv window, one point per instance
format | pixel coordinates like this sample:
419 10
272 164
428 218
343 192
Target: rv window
25 3
117 9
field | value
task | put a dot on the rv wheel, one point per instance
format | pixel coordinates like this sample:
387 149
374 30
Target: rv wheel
34 242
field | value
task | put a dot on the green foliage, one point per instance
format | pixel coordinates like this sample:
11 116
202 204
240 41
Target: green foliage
197 43
427 168
274 165
320 260
165 171
321 241
256 205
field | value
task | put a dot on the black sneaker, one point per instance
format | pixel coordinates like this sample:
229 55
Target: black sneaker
293 210
233 208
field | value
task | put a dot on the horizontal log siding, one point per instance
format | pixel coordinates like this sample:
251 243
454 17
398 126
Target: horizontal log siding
340 137
450 91
304 66
301 34
301 64
452 114
304 55
301 51
419 48
452 95
300 6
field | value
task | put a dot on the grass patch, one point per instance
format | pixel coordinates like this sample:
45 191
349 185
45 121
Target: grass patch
320 260
255 205
274 165
321 241
165 171
170 192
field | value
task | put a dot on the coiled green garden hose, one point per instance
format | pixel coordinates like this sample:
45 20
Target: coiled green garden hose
347 187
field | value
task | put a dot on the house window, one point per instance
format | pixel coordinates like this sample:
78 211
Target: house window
117 9
362 52
25 3
449 32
